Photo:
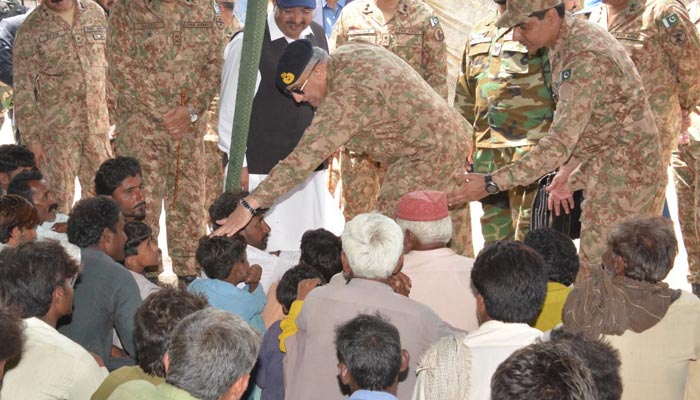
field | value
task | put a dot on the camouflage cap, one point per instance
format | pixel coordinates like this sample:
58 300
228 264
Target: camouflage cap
518 10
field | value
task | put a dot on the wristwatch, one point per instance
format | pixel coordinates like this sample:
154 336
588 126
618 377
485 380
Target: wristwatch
193 114
491 186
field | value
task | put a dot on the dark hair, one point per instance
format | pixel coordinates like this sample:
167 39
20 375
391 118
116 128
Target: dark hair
89 218
647 245
136 233
155 318
19 185
600 357
559 253
287 288
113 172
561 11
512 280
217 254
11 334
29 274
543 371
370 347
321 249
13 156
224 205
16 212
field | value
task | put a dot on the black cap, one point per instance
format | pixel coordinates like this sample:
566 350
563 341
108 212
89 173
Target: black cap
294 59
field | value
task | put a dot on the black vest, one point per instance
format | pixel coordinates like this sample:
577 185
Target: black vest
276 122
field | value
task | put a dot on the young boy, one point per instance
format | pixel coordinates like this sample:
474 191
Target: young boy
225 262
370 357
295 284
141 252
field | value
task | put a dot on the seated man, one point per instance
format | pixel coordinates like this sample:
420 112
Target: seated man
37 279
432 266
11 332
225 263
559 253
293 288
120 178
511 283
543 371
13 160
155 319
655 328
372 247
209 356
32 186
256 233
18 221
370 357
106 295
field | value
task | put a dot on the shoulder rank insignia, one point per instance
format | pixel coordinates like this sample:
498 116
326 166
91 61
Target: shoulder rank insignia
565 75
670 21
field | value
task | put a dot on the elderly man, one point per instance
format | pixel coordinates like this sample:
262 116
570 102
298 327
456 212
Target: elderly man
164 62
603 129
430 264
655 328
60 80
106 295
120 178
209 356
37 279
369 100
276 125
310 369
510 281
18 221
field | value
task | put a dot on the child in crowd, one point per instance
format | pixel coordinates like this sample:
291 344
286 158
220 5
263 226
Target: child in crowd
370 357
295 284
225 262
141 252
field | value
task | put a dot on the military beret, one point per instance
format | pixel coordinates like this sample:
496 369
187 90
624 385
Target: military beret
517 11
292 62
296 3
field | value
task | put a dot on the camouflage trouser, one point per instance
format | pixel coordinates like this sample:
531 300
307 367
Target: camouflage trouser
686 169
602 210
429 173
362 179
498 222
69 155
185 222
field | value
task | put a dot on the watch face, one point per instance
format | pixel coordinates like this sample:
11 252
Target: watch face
492 189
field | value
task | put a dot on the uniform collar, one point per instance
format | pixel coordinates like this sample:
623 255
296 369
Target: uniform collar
276 32
48 14
371 8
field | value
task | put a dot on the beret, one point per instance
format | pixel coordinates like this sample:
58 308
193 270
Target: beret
292 62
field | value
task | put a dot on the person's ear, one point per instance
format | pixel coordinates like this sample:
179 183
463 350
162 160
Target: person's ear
236 390
166 362
619 264
4 179
345 263
405 359
344 374
58 295
16 233
410 241
107 235
399 265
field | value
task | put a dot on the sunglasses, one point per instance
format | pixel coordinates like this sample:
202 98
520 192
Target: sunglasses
300 89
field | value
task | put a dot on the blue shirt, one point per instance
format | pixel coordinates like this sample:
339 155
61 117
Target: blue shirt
226 296
239 8
330 15
371 395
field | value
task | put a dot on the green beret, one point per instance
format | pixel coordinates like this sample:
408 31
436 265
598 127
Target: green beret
294 59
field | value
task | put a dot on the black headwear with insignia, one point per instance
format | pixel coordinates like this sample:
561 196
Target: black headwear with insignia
292 62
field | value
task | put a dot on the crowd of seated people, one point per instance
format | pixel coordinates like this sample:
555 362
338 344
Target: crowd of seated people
385 311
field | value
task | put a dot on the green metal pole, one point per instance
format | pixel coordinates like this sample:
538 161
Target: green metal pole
254 31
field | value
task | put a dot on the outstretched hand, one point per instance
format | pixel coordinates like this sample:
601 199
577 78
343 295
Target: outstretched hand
560 195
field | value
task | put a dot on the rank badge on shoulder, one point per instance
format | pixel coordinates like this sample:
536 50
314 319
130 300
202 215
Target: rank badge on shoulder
565 75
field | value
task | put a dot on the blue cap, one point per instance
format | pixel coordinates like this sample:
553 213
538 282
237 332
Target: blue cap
297 3
589 6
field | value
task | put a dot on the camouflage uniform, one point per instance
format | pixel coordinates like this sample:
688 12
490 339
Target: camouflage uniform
686 169
502 92
60 74
157 53
415 35
604 123
664 46
377 104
